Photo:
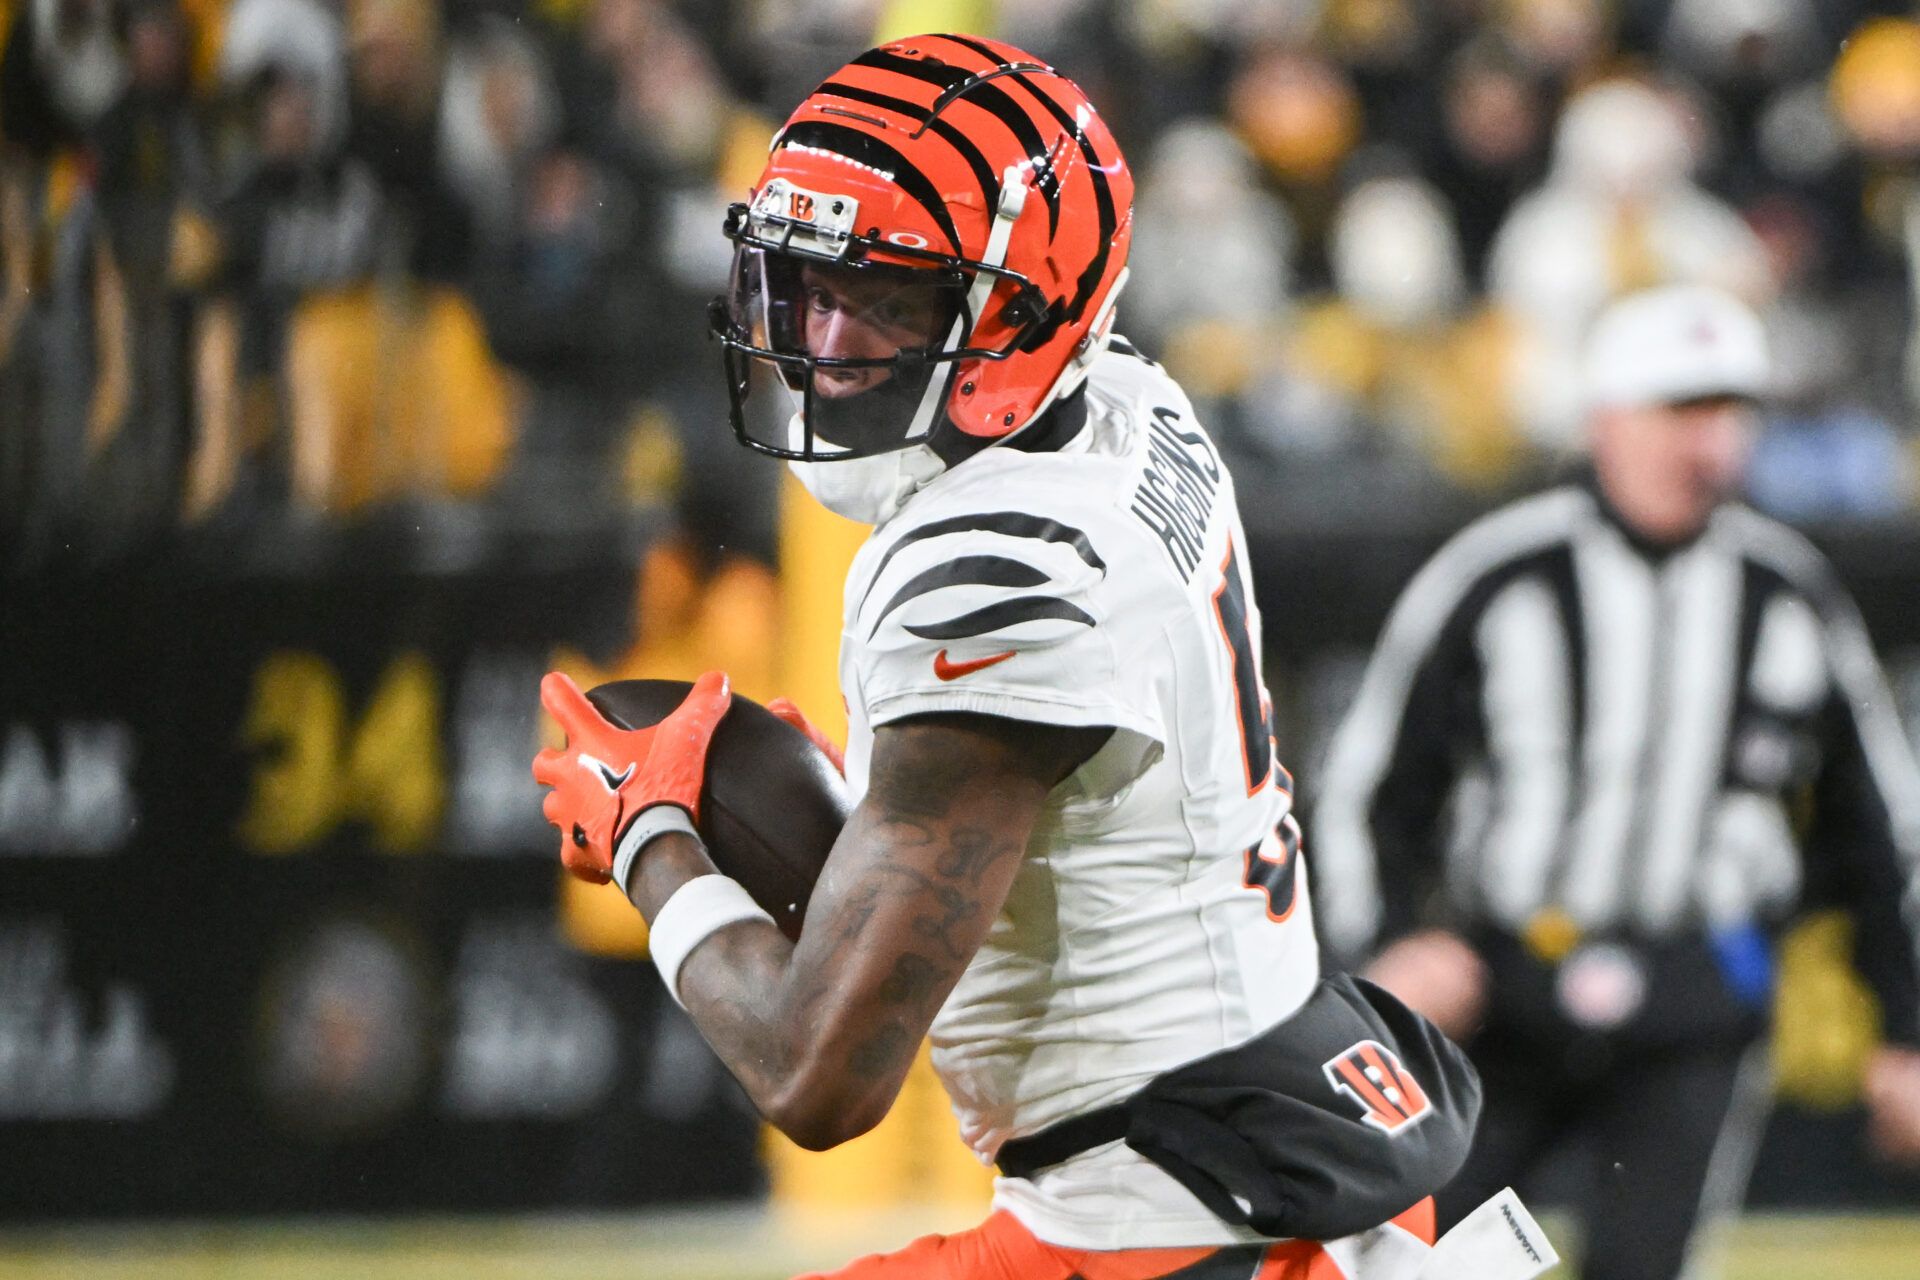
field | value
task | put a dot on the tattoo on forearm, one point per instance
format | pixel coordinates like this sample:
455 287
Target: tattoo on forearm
917 784
969 852
884 1052
899 913
956 910
913 977
857 912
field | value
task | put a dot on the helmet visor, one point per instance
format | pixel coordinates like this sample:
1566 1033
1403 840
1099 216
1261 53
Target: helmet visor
831 358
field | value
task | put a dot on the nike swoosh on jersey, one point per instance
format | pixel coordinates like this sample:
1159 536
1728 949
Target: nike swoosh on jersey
954 670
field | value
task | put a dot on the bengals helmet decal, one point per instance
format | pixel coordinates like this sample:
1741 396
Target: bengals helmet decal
1390 1098
987 218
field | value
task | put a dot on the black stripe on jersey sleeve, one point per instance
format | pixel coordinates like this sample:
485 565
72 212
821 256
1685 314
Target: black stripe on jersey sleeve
985 571
1005 613
1014 524
868 150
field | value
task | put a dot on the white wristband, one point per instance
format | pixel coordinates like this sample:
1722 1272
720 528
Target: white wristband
654 820
698 909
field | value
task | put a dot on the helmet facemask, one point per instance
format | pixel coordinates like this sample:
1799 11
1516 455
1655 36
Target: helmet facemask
863 336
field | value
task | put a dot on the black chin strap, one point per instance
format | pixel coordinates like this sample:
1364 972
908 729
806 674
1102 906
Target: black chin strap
1048 433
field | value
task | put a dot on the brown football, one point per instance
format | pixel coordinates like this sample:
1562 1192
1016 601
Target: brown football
772 806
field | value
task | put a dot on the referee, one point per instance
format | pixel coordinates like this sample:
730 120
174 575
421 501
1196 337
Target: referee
1612 738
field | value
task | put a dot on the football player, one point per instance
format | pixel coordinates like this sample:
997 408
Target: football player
1072 862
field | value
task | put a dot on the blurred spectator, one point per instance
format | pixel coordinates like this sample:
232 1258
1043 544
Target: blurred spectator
1734 44
62 69
1876 87
154 183
1390 49
1842 462
1210 248
565 170
663 106
152 165
1560 40
650 104
305 217
64 375
498 112
793 44
1832 446
302 39
1300 116
394 129
567 295
1741 51
1233 23
89 398
1491 146
1210 284
302 219
1619 211
1397 346
1876 94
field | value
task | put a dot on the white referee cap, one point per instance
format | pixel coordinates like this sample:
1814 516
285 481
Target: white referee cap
1678 342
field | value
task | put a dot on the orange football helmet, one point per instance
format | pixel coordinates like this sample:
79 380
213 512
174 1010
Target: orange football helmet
931 255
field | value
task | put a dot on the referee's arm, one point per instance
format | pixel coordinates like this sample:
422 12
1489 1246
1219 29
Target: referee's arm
1863 841
1863 853
1378 846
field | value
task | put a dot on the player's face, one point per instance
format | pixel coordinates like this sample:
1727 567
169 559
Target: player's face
865 315
855 347
1666 467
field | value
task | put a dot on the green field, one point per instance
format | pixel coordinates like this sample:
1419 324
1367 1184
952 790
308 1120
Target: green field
713 1246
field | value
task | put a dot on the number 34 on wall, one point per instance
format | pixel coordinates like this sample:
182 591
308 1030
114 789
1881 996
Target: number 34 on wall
316 768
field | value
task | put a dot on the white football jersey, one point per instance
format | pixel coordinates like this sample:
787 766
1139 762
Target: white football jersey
1161 913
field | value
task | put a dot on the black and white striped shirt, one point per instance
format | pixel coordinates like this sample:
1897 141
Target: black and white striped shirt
1560 718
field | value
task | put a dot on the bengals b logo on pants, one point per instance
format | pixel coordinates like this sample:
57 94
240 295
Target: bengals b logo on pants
1390 1098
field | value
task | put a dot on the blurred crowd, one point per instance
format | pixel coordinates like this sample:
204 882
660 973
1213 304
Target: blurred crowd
271 260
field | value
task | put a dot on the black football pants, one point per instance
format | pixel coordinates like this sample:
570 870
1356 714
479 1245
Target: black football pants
1654 1119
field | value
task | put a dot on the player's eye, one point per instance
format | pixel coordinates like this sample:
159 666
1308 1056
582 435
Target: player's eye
903 313
819 301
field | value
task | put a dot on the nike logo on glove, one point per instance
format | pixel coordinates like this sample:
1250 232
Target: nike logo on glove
954 670
613 780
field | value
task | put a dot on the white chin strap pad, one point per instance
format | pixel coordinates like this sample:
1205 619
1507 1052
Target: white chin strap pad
1498 1241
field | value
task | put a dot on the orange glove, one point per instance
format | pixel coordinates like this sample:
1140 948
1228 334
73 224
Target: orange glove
606 775
793 715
